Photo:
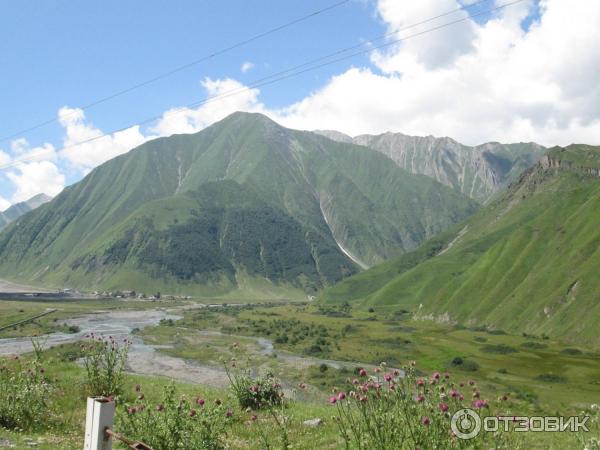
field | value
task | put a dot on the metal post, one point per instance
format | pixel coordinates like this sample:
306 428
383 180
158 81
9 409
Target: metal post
99 417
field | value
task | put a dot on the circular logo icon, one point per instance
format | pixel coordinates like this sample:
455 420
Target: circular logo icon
465 423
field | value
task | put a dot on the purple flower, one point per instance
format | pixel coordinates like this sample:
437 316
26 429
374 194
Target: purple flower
425 420
332 399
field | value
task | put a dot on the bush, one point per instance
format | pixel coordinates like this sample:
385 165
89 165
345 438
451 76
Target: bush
500 349
534 345
571 351
24 394
174 423
104 361
254 392
551 378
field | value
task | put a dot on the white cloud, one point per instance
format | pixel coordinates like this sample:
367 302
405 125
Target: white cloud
33 171
228 96
473 82
247 67
35 177
91 154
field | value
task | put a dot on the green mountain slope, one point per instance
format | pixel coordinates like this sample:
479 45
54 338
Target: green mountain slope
18 209
527 262
243 204
478 172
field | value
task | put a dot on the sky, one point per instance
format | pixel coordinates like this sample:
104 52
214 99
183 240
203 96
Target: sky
525 72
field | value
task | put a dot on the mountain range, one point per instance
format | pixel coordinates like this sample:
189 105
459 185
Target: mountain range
244 207
18 209
527 262
478 171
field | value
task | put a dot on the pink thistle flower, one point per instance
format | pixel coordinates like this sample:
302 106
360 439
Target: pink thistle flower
435 375
341 396
362 372
420 382
377 370
478 404
387 377
333 399
443 407
420 398
425 421
302 386
253 418
200 401
355 381
229 413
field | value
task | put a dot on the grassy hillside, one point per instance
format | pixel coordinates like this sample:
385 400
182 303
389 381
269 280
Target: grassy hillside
528 262
243 204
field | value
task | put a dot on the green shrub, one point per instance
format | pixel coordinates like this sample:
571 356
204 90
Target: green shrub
253 392
174 423
534 345
500 349
551 378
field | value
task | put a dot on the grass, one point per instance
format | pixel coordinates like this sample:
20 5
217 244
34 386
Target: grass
506 363
540 380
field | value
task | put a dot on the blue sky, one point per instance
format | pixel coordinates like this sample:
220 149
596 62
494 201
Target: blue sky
491 77
57 53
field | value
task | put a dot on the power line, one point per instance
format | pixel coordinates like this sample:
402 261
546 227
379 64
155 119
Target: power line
184 66
285 74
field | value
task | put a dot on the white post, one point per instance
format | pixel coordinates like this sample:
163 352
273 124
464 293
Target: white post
99 417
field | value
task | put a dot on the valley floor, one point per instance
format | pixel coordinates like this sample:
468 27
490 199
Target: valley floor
299 344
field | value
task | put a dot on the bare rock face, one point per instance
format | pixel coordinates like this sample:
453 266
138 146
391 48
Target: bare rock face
478 171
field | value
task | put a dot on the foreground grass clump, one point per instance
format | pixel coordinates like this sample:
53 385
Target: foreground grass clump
104 362
175 423
24 394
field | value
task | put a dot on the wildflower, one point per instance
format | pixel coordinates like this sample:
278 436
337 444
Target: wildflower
377 370
387 377
462 384
253 418
333 399
420 382
362 372
443 407
362 398
425 421
420 398
254 388
192 412
435 375
461 397
159 407
302 386
355 381
200 401
471 383
478 404
229 413
131 410
341 396
446 375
